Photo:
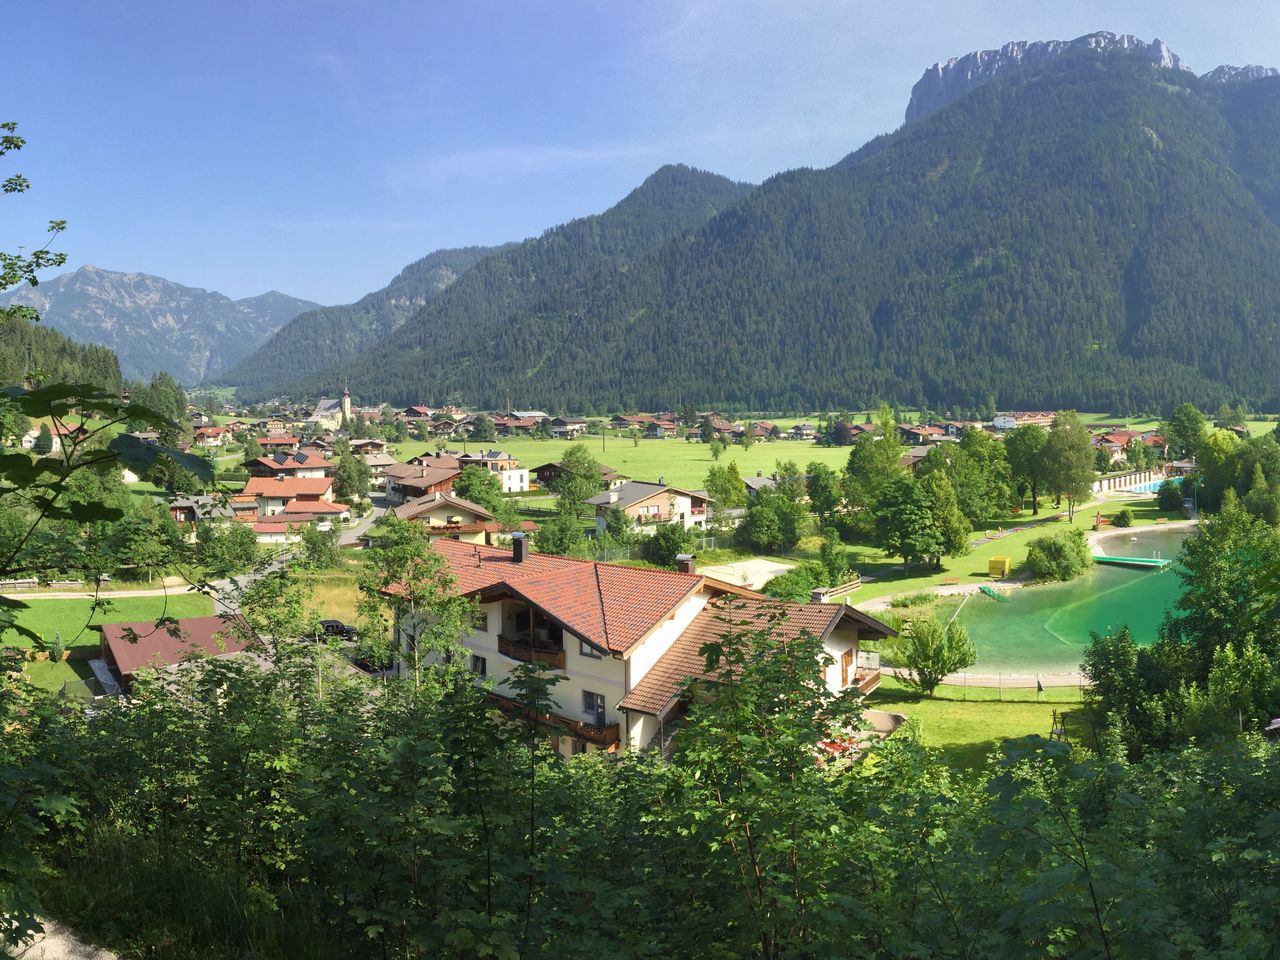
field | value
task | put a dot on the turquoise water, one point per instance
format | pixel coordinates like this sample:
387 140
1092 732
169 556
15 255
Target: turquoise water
1151 486
1046 628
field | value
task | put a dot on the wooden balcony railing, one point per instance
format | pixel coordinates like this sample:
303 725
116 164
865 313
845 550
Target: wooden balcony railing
528 653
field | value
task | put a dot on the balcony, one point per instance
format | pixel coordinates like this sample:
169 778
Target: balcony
527 651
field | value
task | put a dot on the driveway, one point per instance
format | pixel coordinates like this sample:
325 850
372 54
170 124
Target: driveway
352 535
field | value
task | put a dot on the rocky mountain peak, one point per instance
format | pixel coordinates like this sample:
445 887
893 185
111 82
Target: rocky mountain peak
945 82
1229 74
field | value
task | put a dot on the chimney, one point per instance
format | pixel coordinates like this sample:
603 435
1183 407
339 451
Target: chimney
759 473
519 547
818 595
684 562
613 496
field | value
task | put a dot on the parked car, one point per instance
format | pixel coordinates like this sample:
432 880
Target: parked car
336 628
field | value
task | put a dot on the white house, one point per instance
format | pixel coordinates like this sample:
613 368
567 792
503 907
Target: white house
624 638
648 505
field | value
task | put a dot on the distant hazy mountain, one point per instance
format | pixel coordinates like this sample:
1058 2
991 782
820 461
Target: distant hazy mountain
329 335
154 324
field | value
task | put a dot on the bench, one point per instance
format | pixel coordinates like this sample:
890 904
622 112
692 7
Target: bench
951 582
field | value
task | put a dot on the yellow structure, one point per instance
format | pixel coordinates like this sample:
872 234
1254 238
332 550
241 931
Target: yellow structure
999 567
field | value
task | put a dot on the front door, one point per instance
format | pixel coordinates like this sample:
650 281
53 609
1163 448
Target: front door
846 667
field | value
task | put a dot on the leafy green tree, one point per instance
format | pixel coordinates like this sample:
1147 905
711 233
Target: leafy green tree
1068 460
317 549
1185 430
667 542
1025 448
482 428
725 487
1216 464
790 483
562 534
874 462
1169 495
772 523
822 485
718 447
227 548
1059 556
952 526
931 651
42 446
905 523
351 481
480 486
252 449
579 478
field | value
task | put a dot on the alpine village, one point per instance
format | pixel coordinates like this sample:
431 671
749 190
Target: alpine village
877 560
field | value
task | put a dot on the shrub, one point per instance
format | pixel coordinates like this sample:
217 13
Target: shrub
1123 518
667 542
1058 556
1169 496
912 600
930 651
798 583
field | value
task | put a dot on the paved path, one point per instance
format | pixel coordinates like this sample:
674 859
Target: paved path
352 535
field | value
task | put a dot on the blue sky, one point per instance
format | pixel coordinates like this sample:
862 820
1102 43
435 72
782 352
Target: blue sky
317 146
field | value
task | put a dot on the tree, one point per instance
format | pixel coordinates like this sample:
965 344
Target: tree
482 428
772 523
579 478
1059 556
725 487
953 529
1025 446
318 549
227 548
1169 496
42 446
789 482
668 541
930 652
351 481
480 486
408 585
1184 431
875 461
718 447
905 523
562 534
252 449
823 488
1068 460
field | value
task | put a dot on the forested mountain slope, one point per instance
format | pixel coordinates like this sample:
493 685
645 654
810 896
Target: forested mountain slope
559 266
155 324
27 347
320 338
1098 232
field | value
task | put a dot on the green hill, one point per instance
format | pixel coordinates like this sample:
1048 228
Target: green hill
1099 231
27 347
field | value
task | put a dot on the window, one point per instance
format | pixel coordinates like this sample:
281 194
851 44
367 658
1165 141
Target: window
587 650
482 622
593 707
578 746
479 666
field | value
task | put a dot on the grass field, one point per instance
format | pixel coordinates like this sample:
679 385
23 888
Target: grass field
69 617
966 725
335 592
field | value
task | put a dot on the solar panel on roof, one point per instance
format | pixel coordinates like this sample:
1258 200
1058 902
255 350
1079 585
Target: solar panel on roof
300 457
280 458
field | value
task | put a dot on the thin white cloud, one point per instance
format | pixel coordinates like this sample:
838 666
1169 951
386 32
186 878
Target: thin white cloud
500 163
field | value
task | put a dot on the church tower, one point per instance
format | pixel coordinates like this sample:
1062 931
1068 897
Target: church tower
346 404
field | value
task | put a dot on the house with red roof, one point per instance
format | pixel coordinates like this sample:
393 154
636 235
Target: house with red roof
298 464
279 443
131 648
624 639
274 494
210 436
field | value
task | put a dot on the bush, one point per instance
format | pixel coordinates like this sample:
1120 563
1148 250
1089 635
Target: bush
1169 496
1059 556
667 542
797 584
1124 518
912 600
930 652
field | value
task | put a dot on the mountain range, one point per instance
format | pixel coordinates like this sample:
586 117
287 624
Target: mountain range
1082 223
154 324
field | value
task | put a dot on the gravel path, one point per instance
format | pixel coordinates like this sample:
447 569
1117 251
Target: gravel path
59 943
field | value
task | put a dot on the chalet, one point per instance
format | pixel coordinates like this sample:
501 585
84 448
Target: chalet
201 419
660 429
625 639
568 428
648 505
189 511
29 439
802 431
210 436
546 474
536 415
622 421
439 458
131 648
920 435
417 413
368 445
274 494
404 481
270 425
1022 418
279 443
913 458
444 515
290 465
514 426
378 464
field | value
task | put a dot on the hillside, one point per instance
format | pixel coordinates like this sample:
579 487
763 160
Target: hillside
153 324
506 286
27 347
319 338
1097 231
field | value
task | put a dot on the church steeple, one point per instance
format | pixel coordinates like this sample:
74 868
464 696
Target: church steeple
346 404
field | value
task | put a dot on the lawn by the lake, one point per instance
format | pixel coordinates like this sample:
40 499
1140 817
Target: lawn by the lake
966 725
